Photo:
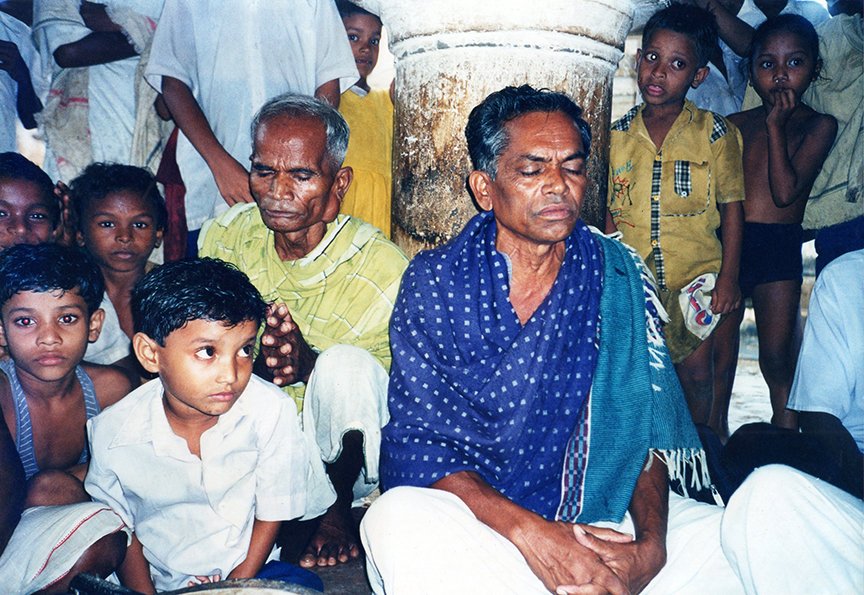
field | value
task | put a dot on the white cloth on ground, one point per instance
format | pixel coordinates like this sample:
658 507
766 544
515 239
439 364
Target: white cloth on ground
11 29
194 516
227 57
49 540
829 377
425 541
113 344
347 391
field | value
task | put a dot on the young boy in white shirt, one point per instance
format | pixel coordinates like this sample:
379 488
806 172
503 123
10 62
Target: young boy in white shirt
204 462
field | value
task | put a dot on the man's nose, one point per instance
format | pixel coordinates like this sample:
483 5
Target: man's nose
554 182
280 188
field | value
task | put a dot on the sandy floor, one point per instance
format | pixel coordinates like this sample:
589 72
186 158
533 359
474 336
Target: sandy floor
749 396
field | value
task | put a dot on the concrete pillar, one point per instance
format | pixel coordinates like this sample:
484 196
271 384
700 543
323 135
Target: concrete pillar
450 54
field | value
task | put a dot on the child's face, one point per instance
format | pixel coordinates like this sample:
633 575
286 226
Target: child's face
667 67
46 333
364 33
26 216
204 366
782 62
120 232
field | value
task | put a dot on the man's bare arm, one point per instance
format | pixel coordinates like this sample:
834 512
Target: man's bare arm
231 177
26 101
97 48
549 547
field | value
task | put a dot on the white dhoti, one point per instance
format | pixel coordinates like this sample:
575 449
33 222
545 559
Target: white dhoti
49 540
347 391
424 541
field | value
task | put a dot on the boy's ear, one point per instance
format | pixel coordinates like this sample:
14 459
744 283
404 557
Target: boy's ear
96 320
160 234
147 352
817 69
700 76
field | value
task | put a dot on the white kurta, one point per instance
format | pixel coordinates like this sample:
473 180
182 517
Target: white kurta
234 59
194 516
113 344
11 29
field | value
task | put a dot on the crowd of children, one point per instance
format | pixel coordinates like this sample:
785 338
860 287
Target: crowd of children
714 204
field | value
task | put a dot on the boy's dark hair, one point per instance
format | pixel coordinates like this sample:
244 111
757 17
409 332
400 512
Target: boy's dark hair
349 9
486 134
44 268
786 23
98 180
14 166
171 295
696 23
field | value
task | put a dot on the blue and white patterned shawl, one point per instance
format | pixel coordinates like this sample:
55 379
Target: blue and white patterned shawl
472 389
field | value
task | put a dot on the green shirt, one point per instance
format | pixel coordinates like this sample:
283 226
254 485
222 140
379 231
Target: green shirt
340 293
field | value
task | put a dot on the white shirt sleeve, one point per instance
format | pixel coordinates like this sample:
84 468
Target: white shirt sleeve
333 52
173 50
101 483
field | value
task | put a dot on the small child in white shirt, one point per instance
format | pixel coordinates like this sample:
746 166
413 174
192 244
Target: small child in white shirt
204 462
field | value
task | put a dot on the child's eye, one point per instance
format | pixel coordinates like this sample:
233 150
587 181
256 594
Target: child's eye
353 37
766 64
68 319
796 62
247 350
375 41
4 214
24 321
678 64
206 352
140 225
105 224
650 56
38 216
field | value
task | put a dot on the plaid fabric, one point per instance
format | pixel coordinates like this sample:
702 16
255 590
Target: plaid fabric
340 293
718 128
623 123
657 253
683 184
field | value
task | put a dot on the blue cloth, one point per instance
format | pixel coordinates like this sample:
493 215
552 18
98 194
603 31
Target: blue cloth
471 388
291 574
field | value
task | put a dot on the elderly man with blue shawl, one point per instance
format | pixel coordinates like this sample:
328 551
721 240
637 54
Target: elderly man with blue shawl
531 390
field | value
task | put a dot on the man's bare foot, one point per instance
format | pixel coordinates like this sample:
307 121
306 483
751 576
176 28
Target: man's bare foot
335 542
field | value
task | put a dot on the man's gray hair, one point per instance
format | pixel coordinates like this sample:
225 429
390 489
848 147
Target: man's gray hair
304 106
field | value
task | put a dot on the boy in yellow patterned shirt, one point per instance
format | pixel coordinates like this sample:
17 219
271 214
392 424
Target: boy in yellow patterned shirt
675 178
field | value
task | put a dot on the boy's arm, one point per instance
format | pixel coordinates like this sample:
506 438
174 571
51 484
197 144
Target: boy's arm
263 538
134 572
231 177
27 103
329 92
726 296
12 485
791 177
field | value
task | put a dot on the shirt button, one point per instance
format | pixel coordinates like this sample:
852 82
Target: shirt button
655 197
654 243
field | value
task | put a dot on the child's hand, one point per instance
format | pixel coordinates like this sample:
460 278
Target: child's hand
202 580
785 103
232 179
96 18
726 296
65 234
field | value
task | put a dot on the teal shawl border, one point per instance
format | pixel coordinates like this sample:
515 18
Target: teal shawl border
636 406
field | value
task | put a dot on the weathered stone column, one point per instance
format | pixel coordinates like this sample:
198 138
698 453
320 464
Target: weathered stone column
450 54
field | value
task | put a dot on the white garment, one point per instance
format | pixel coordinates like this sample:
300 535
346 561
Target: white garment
715 94
11 29
424 541
829 377
347 391
234 59
113 344
111 86
49 540
194 516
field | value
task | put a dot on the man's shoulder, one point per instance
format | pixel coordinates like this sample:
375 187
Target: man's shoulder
238 227
371 245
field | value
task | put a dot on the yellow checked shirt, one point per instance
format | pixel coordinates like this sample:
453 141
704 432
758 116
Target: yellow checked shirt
664 202
340 293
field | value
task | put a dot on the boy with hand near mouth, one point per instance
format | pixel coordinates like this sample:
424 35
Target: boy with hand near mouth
205 461
675 178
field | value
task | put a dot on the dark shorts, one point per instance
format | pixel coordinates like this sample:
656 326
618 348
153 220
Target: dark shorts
770 252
